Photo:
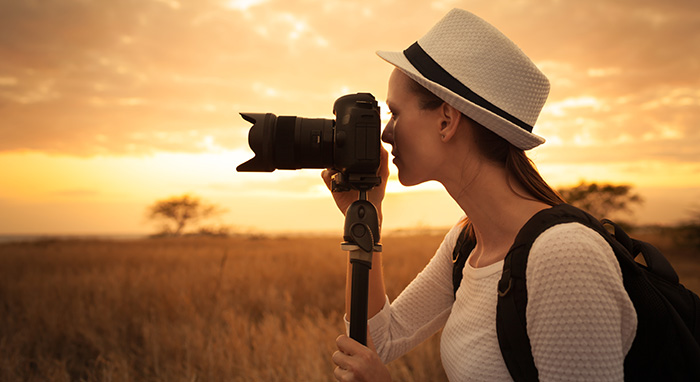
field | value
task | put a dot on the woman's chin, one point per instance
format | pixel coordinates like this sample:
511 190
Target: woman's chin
406 181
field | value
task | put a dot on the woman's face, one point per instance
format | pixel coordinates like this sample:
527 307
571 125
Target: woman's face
414 133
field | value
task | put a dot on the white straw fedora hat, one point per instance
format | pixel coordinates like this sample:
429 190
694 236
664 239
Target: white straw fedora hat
472 66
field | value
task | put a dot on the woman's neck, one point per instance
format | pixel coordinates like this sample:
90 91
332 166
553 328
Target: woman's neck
496 208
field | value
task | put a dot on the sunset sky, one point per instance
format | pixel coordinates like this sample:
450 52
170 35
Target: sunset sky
108 106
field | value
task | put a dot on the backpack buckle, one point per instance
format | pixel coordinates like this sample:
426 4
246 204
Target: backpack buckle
503 293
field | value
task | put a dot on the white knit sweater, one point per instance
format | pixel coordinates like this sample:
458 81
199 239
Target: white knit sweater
580 321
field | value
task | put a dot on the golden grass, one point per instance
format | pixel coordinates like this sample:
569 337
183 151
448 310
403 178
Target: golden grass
195 309
187 309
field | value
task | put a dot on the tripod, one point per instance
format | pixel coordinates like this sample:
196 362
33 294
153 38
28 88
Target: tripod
361 237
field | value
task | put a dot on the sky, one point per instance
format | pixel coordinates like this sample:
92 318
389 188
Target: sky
108 106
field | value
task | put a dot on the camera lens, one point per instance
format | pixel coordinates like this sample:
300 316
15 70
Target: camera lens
288 142
349 144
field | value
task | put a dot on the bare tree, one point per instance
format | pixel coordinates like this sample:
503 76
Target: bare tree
601 200
178 213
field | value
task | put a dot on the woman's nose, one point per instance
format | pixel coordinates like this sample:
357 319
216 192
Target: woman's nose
388 134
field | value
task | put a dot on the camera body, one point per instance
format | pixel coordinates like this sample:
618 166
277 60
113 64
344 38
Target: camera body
349 144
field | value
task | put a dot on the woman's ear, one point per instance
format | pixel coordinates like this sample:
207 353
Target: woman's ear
449 121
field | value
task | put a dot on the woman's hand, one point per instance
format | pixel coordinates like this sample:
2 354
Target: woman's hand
375 195
357 363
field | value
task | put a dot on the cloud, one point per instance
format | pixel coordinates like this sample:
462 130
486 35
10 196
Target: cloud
134 78
75 71
658 123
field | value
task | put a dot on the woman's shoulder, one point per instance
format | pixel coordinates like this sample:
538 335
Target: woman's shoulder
571 231
570 234
573 244
451 237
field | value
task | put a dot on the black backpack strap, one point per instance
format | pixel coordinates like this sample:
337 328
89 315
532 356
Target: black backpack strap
512 290
663 348
462 249
655 260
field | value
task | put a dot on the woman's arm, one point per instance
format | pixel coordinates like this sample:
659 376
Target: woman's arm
580 320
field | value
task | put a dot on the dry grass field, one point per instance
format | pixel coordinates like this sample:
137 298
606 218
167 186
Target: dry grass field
190 309
197 309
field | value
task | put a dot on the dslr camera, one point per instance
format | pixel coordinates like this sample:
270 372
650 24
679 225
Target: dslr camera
350 144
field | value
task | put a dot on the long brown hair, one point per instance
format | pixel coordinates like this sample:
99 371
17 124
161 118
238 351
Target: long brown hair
518 166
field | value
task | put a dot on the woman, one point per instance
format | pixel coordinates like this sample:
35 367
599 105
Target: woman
463 100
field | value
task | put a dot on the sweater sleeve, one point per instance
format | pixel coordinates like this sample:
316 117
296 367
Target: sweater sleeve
580 320
420 310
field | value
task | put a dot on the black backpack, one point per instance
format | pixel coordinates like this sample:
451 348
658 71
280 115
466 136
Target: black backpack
666 345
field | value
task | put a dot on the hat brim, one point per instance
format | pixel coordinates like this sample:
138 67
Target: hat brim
511 132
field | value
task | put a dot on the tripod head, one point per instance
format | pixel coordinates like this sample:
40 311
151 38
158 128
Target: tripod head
361 182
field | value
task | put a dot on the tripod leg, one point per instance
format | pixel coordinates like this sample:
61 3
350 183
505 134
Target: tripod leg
362 240
358 302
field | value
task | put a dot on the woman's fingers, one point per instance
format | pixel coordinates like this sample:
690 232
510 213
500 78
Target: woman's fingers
358 363
343 375
347 345
327 175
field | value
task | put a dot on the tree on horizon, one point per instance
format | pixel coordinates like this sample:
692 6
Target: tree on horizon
178 213
602 200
